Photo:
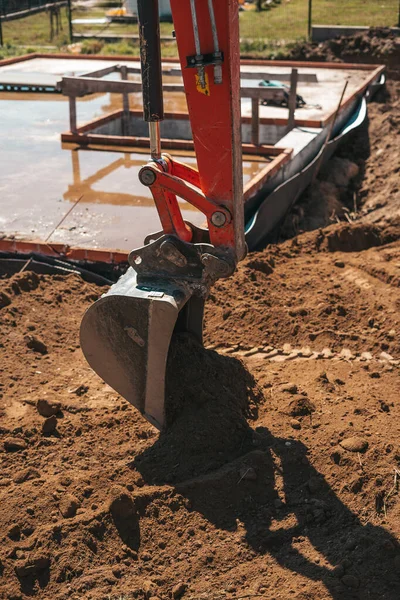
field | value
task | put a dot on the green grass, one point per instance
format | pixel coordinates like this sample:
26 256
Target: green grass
269 33
34 30
288 21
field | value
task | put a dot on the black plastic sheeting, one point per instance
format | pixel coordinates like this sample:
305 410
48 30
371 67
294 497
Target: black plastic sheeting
98 273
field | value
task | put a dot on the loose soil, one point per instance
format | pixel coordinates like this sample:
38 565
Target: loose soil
279 474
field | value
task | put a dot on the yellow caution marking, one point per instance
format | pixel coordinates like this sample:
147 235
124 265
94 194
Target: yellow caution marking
206 89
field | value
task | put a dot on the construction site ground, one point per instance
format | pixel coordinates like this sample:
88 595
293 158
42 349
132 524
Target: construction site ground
279 475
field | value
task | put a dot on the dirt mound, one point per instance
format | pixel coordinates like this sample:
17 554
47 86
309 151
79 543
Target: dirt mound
373 46
361 183
209 399
334 304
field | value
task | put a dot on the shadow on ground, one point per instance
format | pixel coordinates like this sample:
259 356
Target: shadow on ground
261 479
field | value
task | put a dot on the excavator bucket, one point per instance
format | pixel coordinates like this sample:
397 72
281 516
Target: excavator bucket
125 337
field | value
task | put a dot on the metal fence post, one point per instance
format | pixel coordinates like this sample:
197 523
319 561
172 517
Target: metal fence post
309 19
71 33
1 20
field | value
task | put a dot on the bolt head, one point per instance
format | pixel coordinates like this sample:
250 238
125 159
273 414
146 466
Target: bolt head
218 219
147 176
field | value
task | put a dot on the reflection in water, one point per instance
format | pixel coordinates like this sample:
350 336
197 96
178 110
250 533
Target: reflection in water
37 183
112 176
118 176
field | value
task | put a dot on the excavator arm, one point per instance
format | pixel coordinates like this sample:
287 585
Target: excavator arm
126 335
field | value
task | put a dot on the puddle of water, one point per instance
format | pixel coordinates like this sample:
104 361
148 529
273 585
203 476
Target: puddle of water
39 179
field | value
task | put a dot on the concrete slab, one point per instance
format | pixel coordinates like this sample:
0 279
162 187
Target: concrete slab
321 95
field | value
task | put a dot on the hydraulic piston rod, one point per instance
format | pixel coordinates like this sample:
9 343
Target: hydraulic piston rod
150 53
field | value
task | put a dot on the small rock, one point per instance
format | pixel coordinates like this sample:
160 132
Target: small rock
375 375
26 475
5 300
49 425
356 485
339 264
391 334
14 532
80 390
65 480
146 556
336 457
14 444
295 424
32 565
48 408
300 406
148 587
248 473
69 504
350 581
290 388
179 590
354 444
35 344
386 356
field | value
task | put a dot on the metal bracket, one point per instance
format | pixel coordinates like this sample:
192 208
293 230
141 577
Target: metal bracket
204 60
170 258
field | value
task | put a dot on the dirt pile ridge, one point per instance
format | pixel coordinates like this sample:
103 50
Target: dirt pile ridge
377 45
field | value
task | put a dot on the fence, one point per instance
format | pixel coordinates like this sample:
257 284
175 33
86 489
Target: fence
13 7
47 25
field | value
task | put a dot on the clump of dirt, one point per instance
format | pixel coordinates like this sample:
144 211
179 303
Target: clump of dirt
324 201
375 45
210 399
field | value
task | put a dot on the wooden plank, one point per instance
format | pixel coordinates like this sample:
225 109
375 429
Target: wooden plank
102 72
81 86
257 182
125 103
57 250
305 77
244 61
255 121
265 93
292 99
72 113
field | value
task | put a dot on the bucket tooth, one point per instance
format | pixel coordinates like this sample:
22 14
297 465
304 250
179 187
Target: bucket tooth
125 337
